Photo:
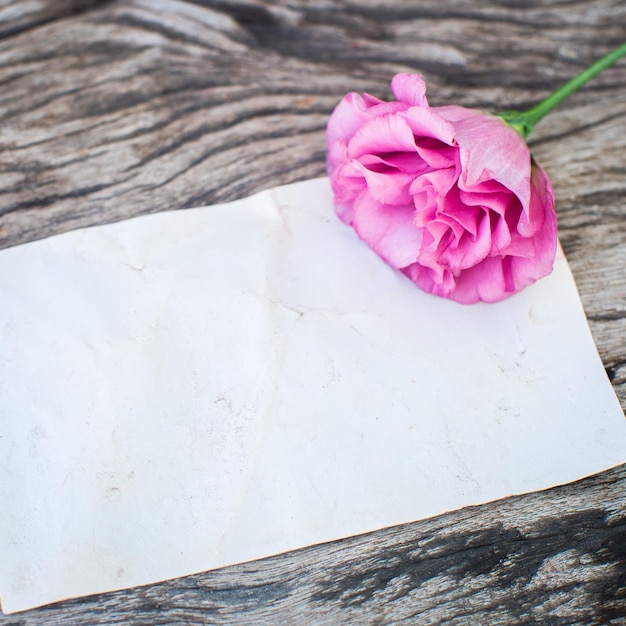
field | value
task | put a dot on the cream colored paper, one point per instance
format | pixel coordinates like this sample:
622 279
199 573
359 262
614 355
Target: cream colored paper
187 390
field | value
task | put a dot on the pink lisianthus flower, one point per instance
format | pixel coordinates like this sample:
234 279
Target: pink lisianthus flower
447 195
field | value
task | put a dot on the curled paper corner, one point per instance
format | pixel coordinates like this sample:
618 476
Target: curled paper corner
236 381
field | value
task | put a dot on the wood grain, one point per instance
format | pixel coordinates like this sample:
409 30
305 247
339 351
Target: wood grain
115 109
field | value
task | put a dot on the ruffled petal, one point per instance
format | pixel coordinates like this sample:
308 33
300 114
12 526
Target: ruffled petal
388 187
485 282
438 280
436 237
405 162
498 201
541 203
429 191
410 89
500 235
427 123
347 182
436 153
349 115
388 230
471 249
492 151
385 134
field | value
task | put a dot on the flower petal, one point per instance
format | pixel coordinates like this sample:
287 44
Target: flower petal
470 248
388 133
485 282
429 191
438 280
388 230
541 202
409 88
426 123
500 235
388 187
349 115
492 151
403 161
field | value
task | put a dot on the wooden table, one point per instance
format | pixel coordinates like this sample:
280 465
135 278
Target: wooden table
113 109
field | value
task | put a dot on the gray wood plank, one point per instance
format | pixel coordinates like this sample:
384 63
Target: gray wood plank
115 109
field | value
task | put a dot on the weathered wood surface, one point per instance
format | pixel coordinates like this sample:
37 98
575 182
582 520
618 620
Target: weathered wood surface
113 109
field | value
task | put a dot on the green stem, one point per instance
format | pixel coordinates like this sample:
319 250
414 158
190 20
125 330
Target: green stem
524 122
